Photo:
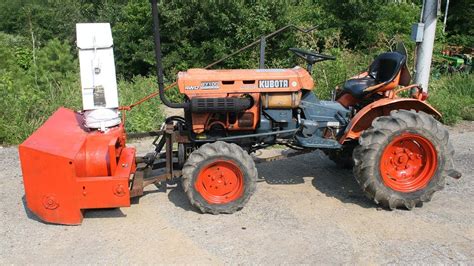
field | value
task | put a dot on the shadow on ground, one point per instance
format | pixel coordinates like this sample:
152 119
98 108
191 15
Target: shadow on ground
326 177
104 213
179 199
29 213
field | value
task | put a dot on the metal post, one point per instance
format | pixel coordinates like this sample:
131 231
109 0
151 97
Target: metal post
263 43
424 52
445 15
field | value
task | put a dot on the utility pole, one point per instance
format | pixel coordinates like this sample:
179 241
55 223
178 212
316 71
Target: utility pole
424 51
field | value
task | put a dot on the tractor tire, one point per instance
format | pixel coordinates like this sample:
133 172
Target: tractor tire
219 177
342 157
403 159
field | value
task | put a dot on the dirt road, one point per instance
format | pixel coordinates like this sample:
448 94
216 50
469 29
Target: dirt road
307 211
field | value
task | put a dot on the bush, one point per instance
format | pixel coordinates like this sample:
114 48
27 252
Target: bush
29 96
31 90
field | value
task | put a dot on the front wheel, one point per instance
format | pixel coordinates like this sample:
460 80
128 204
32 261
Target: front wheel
403 159
219 177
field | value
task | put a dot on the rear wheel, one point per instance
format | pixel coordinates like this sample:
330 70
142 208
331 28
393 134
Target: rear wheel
219 177
403 159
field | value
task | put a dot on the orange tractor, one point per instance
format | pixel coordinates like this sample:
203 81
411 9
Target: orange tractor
400 153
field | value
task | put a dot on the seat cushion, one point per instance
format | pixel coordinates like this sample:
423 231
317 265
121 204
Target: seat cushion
356 86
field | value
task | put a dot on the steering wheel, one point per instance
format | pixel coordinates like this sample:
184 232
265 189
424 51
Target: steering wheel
311 57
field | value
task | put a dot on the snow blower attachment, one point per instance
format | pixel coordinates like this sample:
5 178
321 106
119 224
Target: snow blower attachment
68 168
78 160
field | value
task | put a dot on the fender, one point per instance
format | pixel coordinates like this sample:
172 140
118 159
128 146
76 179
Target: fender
363 119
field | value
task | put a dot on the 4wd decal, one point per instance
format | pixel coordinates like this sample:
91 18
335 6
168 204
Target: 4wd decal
191 88
205 85
273 83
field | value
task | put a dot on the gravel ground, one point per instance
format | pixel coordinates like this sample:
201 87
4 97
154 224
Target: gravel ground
307 211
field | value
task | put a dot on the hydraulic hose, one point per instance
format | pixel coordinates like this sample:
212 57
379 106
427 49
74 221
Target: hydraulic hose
159 67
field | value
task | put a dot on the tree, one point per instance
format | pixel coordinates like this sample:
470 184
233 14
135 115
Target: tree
460 25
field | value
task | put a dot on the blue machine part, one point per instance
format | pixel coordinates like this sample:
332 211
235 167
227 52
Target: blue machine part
323 111
280 115
319 115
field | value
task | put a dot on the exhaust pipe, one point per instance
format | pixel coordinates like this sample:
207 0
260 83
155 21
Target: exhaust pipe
159 67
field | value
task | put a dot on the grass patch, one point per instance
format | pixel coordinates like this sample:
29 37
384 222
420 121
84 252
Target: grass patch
453 96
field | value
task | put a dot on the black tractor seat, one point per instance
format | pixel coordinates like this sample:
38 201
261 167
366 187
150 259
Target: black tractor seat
383 70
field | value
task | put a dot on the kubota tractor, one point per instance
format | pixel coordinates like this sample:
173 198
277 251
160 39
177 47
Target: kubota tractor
399 151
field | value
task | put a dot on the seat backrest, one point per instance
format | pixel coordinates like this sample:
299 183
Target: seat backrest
386 66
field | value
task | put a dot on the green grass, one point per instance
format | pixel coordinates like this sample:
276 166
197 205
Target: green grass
453 96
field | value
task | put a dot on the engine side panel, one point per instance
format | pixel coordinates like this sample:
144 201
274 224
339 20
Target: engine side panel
200 82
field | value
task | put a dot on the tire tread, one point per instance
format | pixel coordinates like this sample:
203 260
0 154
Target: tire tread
371 142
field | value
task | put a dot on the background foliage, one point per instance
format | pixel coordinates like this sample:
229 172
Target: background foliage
39 66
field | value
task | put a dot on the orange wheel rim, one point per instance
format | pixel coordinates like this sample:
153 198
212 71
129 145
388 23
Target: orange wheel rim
408 163
220 182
